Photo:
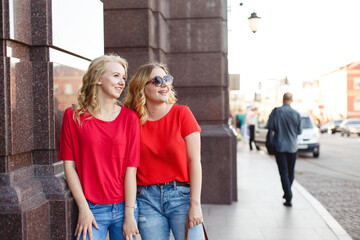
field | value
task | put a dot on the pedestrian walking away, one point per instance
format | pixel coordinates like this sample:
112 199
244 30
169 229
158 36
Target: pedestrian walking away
169 179
286 124
100 147
251 120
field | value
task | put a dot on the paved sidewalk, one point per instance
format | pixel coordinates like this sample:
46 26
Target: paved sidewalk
259 213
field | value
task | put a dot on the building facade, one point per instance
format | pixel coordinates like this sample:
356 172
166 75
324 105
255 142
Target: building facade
340 93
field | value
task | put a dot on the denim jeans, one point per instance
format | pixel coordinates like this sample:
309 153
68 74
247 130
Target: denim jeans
110 218
162 208
286 165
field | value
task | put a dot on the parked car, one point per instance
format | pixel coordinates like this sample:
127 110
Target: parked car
350 126
260 134
336 127
327 127
308 140
331 127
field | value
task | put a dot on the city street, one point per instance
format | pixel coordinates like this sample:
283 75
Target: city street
334 179
339 157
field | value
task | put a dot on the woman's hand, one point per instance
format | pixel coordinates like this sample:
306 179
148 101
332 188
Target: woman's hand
130 228
85 221
195 216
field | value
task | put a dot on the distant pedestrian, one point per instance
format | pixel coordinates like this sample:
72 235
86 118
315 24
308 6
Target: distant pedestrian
286 123
240 120
251 119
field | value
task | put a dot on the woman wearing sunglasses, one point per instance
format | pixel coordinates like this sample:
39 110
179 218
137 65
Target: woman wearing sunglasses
100 146
169 179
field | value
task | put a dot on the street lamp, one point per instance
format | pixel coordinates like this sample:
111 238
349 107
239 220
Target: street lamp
254 22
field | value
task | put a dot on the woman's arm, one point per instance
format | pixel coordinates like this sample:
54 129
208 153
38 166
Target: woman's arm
130 226
193 153
86 218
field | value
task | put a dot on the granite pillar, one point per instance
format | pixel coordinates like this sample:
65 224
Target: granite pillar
44 52
191 38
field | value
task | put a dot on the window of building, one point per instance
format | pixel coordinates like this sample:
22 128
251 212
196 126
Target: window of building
68 89
357 105
356 83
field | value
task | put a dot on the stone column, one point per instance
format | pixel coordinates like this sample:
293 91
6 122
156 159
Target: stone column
40 73
191 37
198 59
136 30
24 209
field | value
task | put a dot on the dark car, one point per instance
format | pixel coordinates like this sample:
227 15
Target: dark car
336 127
331 127
350 126
327 127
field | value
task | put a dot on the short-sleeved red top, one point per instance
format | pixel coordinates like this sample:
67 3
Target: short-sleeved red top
102 151
163 147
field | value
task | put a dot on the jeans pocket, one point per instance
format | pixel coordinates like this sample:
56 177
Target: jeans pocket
91 205
140 190
183 191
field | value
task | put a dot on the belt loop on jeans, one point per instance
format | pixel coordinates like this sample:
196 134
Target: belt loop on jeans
174 185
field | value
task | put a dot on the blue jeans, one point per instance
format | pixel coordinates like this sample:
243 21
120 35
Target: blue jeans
110 218
162 208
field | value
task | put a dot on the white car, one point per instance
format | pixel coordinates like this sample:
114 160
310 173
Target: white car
308 140
350 126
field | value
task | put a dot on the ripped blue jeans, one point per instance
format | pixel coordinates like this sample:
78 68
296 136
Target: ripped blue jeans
162 208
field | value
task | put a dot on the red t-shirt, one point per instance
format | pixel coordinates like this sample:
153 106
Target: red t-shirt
163 147
102 151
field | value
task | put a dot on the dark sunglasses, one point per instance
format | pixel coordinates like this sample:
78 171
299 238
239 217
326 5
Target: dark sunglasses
159 81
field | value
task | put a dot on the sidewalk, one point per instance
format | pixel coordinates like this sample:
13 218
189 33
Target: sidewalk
259 213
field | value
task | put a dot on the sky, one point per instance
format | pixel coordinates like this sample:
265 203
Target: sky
300 39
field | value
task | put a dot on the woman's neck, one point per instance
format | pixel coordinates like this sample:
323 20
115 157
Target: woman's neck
157 111
106 107
107 111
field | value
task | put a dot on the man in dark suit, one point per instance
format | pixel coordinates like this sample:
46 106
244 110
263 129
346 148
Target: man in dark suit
286 123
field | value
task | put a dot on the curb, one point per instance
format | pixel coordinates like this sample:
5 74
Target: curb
326 216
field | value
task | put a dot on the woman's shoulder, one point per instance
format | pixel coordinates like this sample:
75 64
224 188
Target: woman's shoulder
129 113
181 111
69 111
181 108
69 114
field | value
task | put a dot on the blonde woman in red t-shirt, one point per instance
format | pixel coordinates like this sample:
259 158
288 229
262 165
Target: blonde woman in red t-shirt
100 146
169 179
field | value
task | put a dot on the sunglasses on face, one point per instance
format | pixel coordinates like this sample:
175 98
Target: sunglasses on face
159 81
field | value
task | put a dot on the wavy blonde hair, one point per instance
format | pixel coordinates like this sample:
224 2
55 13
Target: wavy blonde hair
136 99
87 95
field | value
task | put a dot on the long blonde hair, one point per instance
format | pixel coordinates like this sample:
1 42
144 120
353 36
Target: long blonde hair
87 95
136 99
